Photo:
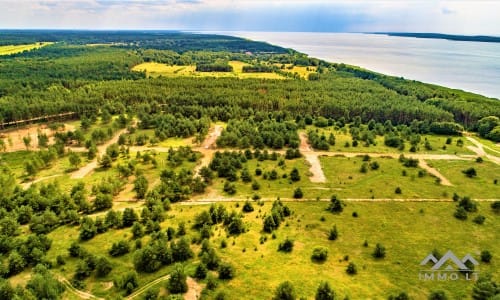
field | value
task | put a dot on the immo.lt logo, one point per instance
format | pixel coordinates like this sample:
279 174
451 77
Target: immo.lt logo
448 267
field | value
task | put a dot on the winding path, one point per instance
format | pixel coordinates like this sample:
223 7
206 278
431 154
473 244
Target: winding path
147 286
478 148
75 291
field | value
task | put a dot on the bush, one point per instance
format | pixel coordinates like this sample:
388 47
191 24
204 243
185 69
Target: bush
247 207
470 172
297 193
319 254
379 251
285 291
119 248
437 295
286 245
486 256
324 292
460 213
103 267
177 283
398 190
201 271
226 271
495 206
335 205
351 269
333 233
479 219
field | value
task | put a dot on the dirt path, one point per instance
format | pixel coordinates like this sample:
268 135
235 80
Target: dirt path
478 148
443 180
85 170
207 148
212 200
194 290
312 158
77 292
29 183
147 286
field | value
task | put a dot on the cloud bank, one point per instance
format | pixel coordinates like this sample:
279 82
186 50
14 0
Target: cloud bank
448 16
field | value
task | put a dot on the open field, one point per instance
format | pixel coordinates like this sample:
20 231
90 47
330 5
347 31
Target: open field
263 266
12 49
158 69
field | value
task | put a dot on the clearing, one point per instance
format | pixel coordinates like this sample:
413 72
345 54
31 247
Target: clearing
12 49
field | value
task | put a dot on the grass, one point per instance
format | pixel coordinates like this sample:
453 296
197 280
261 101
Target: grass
482 186
409 232
303 72
158 69
12 49
344 178
438 143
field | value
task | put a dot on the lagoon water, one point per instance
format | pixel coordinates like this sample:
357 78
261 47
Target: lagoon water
470 66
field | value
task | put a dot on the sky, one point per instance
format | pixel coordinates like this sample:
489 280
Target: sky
443 16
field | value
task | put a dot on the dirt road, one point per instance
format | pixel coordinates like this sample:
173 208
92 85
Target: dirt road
478 148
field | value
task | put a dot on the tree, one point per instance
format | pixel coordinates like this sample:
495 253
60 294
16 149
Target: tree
103 267
87 229
74 159
351 269
294 174
177 283
247 207
437 295
335 205
286 245
319 254
297 193
460 213
16 263
470 172
201 271
485 288
137 230
92 153
486 256
285 291
333 233
103 201
27 141
141 186
324 292
43 285
379 251
105 162
119 248
226 271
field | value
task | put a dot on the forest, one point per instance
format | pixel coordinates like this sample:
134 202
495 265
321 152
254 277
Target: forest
145 139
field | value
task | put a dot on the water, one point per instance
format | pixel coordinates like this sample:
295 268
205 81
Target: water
469 66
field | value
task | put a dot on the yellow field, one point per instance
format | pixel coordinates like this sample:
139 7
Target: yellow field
12 49
301 71
156 69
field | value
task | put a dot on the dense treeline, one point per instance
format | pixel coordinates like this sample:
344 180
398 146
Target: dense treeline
259 134
80 79
213 67
258 69
162 40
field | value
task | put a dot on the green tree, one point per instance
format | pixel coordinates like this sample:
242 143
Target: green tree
379 251
141 186
177 282
324 292
437 295
297 193
285 291
74 159
335 205
103 267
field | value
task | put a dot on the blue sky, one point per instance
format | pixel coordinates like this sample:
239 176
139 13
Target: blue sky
448 16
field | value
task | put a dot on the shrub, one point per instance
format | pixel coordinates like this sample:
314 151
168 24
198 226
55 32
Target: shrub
226 271
285 291
319 254
486 256
247 207
479 219
398 190
460 213
437 295
379 251
470 172
177 283
286 245
335 205
324 292
297 193
351 269
333 233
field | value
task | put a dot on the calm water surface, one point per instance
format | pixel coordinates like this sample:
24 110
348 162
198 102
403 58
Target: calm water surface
469 66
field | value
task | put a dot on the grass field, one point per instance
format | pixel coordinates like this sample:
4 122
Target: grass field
157 69
409 231
12 49
437 142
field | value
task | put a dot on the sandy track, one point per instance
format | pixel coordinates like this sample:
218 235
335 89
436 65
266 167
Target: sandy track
147 286
28 184
207 148
75 291
312 158
85 170
212 200
443 180
478 148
